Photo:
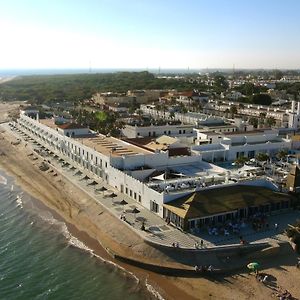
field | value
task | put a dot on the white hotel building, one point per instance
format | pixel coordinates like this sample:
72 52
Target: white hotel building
152 178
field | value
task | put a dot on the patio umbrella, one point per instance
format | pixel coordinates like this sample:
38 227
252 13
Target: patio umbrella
93 183
112 195
78 173
123 202
102 189
141 219
85 177
135 211
253 266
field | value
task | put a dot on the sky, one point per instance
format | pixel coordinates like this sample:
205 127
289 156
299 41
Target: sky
149 34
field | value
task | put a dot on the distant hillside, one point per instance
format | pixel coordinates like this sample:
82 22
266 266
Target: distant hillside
75 87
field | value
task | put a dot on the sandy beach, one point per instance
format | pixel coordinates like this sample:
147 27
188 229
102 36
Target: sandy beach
99 230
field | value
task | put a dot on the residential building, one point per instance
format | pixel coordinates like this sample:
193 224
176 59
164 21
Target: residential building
234 145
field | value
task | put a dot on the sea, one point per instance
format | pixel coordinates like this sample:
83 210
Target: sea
40 259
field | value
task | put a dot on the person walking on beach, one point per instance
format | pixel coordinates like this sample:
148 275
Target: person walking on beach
201 243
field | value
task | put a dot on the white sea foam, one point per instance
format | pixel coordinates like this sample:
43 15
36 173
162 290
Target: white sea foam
153 291
19 201
74 242
3 180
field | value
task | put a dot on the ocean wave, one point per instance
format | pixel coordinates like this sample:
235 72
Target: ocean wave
19 201
153 291
3 180
74 242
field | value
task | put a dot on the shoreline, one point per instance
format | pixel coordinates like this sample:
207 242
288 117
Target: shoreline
59 194
35 189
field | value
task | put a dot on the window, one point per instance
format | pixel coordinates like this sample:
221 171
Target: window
154 206
105 164
134 196
169 132
183 131
126 190
130 193
140 198
179 131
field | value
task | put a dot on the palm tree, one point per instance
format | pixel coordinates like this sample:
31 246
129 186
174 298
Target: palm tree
241 160
262 157
282 154
270 121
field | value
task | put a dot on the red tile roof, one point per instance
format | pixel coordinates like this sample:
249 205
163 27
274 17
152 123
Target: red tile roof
71 126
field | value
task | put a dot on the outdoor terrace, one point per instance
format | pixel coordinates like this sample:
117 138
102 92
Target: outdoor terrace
112 146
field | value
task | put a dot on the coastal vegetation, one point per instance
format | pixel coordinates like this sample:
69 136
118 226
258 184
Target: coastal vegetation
105 122
45 89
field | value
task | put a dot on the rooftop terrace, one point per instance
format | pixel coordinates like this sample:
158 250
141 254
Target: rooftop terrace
112 146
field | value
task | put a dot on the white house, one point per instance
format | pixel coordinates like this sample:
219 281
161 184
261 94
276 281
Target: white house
231 146
133 131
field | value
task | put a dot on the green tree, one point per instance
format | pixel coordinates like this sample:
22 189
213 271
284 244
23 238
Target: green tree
241 160
172 115
248 89
262 156
220 83
261 99
278 74
254 122
233 110
262 117
270 121
282 154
